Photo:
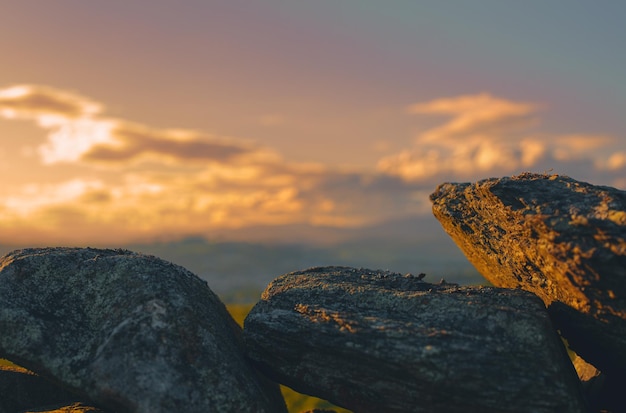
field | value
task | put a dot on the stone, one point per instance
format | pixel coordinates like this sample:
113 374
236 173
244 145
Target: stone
21 389
562 239
377 341
585 371
130 332
73 408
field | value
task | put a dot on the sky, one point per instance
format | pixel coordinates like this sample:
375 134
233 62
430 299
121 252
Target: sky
152 120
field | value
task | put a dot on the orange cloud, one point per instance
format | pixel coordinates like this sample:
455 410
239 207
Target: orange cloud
169 204
36 102
485 135
480 137
78 132
131 142
138 182
474 114
35 196
569 147
135 182
616 161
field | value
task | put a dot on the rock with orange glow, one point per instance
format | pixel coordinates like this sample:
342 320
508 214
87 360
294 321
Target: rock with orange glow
562 239
376 341
130 332
73 408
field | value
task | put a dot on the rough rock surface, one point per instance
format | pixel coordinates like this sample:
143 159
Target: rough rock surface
562 239
374 341
72 408
132 333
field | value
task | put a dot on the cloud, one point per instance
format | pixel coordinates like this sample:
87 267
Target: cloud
37 102
481 114
616 161
35 196
77 132
486 135
72 120
137 182
568 147
132 142
168 204
69 139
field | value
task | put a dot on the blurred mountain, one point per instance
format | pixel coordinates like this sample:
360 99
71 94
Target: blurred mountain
403 246
240 264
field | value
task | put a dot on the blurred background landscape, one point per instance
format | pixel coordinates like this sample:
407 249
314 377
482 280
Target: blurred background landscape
244 140
239 271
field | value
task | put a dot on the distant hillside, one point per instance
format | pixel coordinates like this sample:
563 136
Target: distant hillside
400 246
238 270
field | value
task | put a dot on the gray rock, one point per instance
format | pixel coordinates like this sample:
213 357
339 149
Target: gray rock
131 332
375 341
562 239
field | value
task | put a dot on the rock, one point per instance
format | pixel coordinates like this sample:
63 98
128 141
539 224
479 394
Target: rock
376 341
131 332
21 389
73 408
559 238
584 370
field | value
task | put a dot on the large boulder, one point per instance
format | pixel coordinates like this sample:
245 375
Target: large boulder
376 341
131 332
562 239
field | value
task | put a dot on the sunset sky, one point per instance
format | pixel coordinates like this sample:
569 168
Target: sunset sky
126 121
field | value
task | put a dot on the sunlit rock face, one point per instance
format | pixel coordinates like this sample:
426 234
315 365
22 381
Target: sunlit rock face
562 239
130 332
374 341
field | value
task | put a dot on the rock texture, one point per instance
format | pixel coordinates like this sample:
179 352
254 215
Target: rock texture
131 332
73 408
374 341
562 239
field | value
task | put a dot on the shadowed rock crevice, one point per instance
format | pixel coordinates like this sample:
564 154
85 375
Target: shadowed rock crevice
21 390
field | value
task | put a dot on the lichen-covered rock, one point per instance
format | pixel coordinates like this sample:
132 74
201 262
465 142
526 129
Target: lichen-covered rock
131 332
562 239
376 341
